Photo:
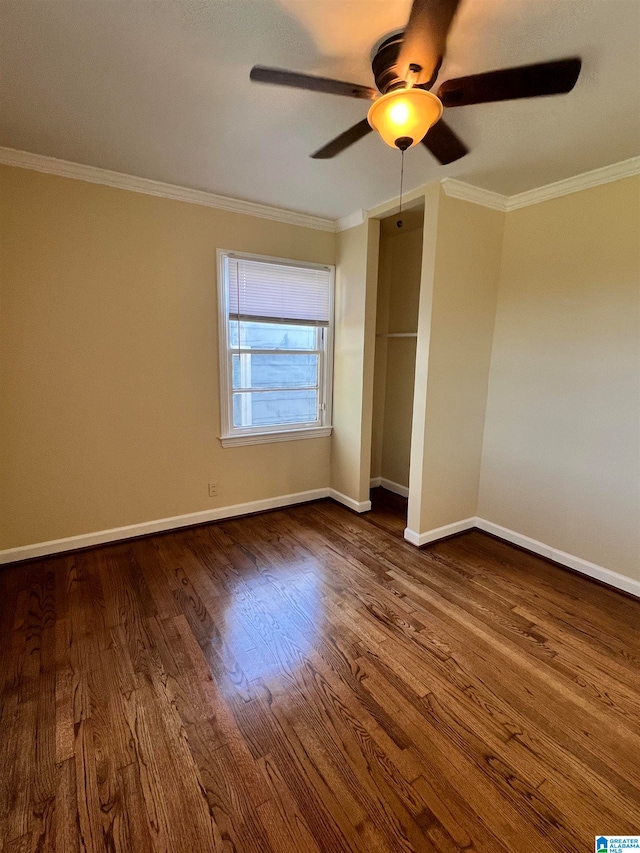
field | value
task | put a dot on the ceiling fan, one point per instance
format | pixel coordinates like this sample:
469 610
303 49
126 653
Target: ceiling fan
405 67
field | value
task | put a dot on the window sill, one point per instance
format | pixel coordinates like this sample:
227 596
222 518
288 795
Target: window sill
281 435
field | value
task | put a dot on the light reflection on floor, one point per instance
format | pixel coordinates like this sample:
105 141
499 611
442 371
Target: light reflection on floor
270 626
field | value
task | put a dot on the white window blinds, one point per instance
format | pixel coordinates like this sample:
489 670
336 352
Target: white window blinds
259 290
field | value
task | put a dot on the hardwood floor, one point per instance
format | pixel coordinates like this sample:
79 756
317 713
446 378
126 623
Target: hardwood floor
388 511
306 681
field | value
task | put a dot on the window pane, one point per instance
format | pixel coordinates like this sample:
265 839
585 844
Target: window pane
271 335
274 370
270 408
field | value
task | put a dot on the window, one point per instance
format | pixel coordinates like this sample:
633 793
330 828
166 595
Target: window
275 348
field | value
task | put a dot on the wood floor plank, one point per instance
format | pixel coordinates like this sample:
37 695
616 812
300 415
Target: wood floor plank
67 824
45 733
346 738
269 733
226 782
443 759
174 802
87 796
283 821
134 812
305 680
539 706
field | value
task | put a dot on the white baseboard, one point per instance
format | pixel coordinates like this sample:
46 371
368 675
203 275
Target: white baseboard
572 562
420 539
71 543
85 540
592 570
390 486
357 506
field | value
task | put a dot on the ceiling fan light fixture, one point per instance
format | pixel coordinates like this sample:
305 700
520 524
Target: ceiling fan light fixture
404 114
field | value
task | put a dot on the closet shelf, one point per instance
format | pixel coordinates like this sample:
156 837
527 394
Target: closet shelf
398 335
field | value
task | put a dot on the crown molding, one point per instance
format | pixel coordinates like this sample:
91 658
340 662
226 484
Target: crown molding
452 187
476 195
605 175
350 221
67 169
584 181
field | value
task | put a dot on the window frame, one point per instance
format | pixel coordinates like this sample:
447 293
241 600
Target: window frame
231 435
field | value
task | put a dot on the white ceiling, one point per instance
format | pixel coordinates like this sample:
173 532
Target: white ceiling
161 90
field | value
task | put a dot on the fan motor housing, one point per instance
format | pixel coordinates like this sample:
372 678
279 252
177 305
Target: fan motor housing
385 69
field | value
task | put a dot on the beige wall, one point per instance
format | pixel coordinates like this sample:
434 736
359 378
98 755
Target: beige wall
398 296
109 360
461 264
356 286
561 460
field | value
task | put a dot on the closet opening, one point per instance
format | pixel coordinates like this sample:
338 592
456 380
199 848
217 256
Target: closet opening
399 267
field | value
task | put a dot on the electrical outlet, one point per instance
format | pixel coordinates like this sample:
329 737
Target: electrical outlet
213 488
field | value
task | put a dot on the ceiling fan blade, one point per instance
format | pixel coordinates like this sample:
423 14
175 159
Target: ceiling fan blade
282 77
425 38
343 141
443 143
526 81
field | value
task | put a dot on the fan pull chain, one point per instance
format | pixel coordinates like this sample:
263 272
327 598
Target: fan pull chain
399 222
